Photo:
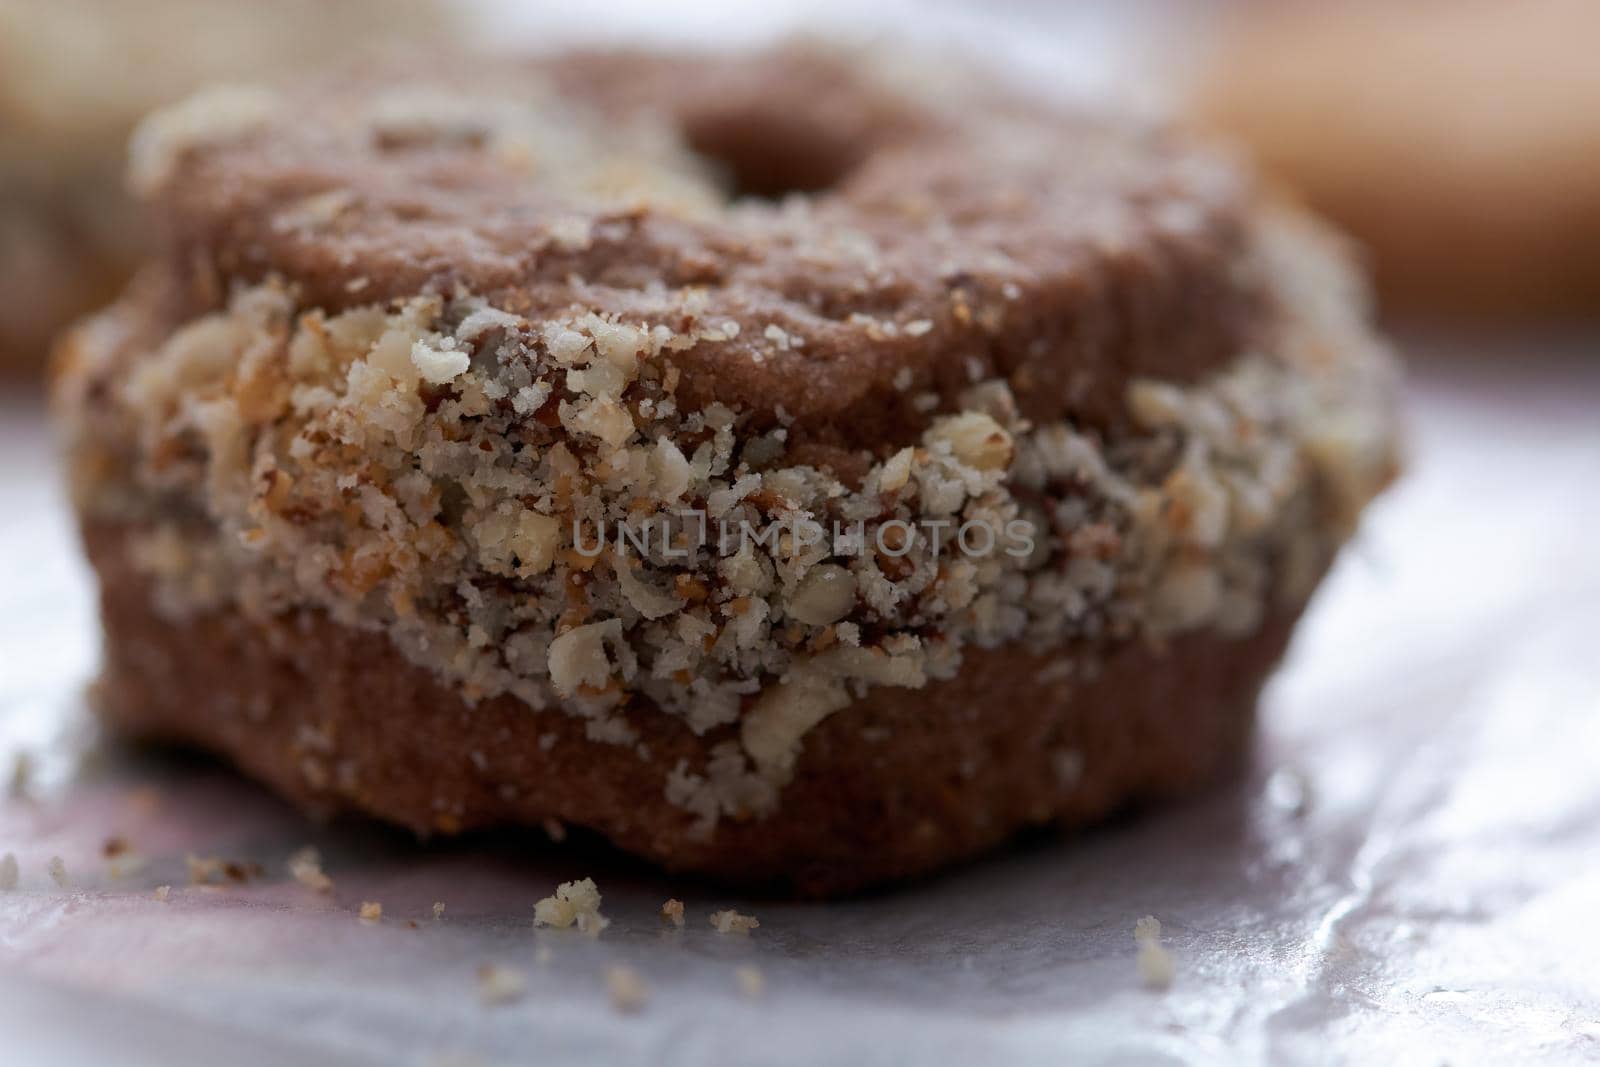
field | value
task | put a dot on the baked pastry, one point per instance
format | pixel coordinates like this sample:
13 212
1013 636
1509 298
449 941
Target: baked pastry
794 472
76 75
1456 139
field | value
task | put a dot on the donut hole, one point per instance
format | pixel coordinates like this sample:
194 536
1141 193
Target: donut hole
768 156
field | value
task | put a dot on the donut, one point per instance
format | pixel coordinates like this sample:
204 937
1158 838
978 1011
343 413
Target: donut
795 471
1457 141
74 80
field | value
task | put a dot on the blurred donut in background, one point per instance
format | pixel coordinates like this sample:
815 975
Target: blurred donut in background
75 75
1458 140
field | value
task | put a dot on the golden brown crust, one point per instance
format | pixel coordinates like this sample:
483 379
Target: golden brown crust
898 784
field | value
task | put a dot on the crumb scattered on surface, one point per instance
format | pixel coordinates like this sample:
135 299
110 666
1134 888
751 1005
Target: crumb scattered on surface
555 830
371 911
21 775
573 903
162 892
438 909
1154 962
672 912
729 921
543 955
212 870
306 867
628 991
58 872
120 859
203 870
752 983
8 871
499 984
144 801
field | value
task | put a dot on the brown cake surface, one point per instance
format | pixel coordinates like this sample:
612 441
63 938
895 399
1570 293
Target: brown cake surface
1033 429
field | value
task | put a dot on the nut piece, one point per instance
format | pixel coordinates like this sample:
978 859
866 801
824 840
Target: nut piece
826 595
975 439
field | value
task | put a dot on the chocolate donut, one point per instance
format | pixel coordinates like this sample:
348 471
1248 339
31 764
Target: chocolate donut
793 470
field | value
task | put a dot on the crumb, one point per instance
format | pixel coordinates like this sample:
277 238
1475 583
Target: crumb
209 870
306 866
628 991
144 801
555 830
729 921
162 892
124 863
371 911
498 984
114 847
543 955
672 912
238 871
752 983
21 775
8 871
1154 962
203 870
58 872
574 902
438 910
